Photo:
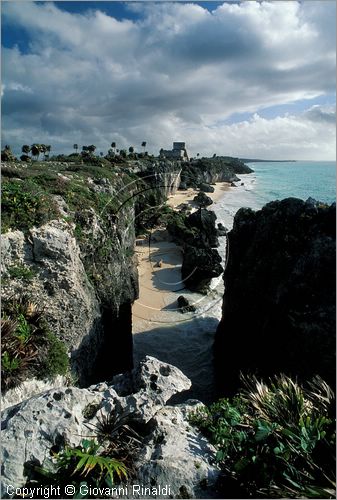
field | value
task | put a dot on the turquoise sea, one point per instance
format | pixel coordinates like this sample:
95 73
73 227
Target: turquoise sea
299 179
276 181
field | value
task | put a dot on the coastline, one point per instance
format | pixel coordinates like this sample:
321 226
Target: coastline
159 286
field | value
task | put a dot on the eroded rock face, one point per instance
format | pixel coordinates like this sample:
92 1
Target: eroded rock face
204 222
279 302
200 266
173 452
85 309
178 455
59 285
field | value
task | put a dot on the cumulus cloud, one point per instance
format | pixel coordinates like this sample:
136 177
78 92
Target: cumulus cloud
175 72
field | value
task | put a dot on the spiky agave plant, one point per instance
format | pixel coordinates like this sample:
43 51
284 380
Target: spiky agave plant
122 440
296 422
28 347
274 439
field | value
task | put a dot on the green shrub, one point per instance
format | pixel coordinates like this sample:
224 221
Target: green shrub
21 272
87 465
23 205
274 440
29 348
56 361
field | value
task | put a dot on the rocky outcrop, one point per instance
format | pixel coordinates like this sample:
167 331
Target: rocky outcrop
279 301
172 452
162 177
206 188
202 200
185 305
83 276
203 221
211 170
158 179
200 266
198 237
59 285
222 230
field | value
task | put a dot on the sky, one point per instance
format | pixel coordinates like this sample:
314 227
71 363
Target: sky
250 79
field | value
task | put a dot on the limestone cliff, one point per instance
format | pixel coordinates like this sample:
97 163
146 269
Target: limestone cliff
78 267
279 301
61 417
211 170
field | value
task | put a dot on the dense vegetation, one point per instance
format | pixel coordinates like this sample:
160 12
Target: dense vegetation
104 460
29 348
274 440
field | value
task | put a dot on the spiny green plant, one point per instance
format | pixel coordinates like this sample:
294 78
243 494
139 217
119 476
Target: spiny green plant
274 439
88 461
120 437
29 348
8 363
20 272
88 464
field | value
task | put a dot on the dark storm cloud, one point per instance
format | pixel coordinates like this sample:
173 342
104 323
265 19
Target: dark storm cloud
179 70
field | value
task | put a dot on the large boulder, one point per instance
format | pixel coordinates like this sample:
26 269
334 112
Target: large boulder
202 200
185 305
279 301
203 223
206 188
179 456
31 429
199 266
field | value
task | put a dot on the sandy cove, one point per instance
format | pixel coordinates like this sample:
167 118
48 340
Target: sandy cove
158 286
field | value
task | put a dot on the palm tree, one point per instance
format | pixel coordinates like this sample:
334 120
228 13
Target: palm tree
43 149
113 145
101 154
91 148
35 149
25 149
144 145
75 146
131 149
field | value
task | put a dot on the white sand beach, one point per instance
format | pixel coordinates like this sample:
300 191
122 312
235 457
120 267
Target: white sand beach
156 284
159 328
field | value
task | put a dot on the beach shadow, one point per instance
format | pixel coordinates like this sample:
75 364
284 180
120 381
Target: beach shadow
173 306
188 345
168 279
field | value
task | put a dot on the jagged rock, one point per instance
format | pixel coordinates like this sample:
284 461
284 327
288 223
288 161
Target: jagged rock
31 428
204 221
279 302
179 456
206 188
221 230
184 305
59 284
174 453
199 266
203 200
210 170
74 306
148 387
30 388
